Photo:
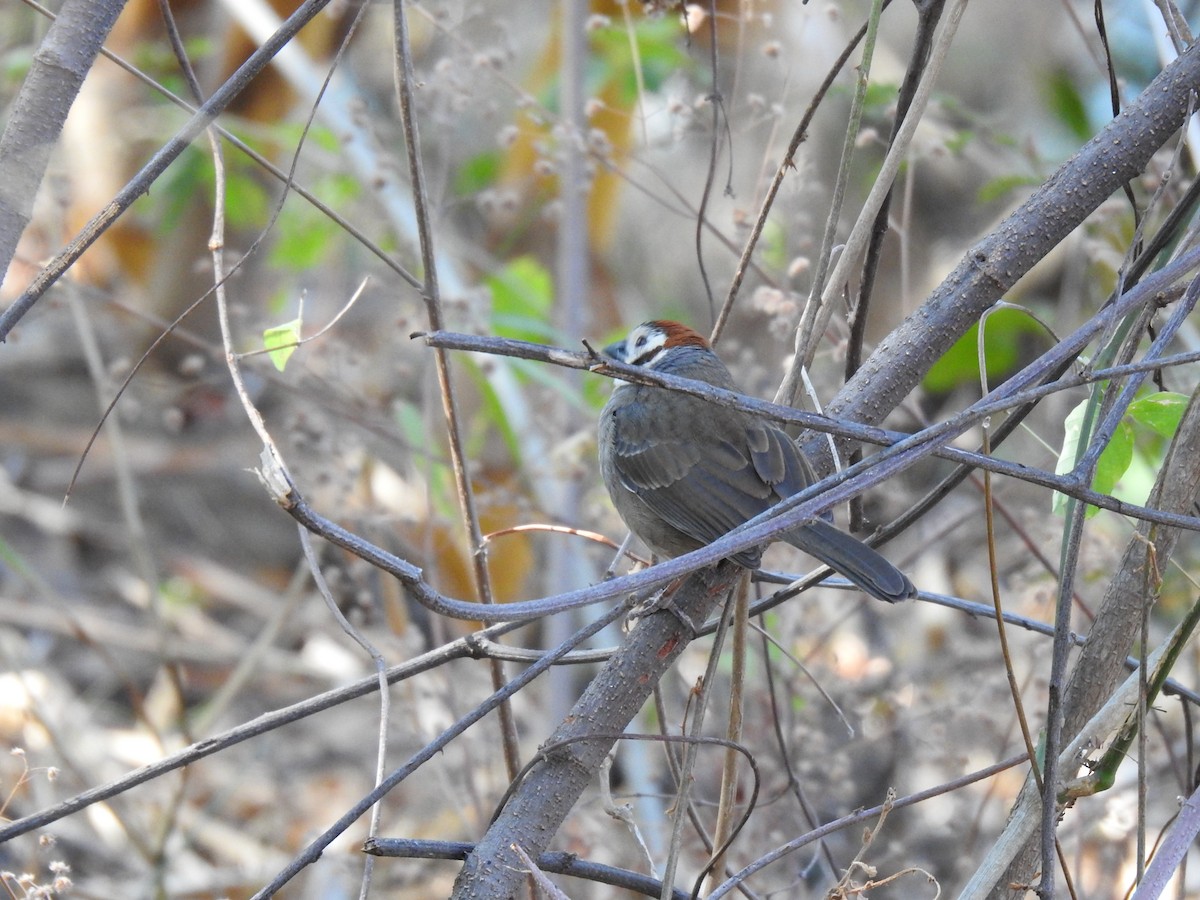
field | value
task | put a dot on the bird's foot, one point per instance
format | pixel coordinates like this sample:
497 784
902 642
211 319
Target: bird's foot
663 600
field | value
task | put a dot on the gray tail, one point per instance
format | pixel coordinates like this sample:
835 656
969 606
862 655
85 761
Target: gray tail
854 559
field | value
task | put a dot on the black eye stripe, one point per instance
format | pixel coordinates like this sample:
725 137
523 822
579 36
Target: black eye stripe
642 347
646 357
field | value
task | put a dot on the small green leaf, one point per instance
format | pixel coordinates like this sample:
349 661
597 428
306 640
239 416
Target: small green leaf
247 204
522 296
1067 104
493 416
1160 412
613 61
773 245
413 427
1067 456
174 194
280 342
1113 462
477 173
959 139
1008 332
305 236
302 243
880 95
15 65
1000 187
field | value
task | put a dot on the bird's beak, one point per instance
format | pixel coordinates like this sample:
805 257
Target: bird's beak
616 351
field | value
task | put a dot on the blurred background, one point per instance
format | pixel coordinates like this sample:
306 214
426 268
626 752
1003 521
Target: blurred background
167 600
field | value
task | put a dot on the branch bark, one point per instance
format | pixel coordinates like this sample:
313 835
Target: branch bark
1100 667
63 60
170 151
539 804
1117 154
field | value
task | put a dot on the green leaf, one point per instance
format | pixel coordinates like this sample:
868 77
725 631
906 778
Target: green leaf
773 245
1008 331
280 342
1000 187
302 242
247 204
1067 104
612 63
880 96
522 298
15 64
493 416
477 173
1160 412
412 425
305 236
959 139
1068 455
175 193
1113 462
178 592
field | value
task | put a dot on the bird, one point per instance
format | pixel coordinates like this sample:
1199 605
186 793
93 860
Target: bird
682 471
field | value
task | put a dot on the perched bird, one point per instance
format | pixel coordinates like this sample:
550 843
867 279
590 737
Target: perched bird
682 472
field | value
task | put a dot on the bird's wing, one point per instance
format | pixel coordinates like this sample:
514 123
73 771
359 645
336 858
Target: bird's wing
702 486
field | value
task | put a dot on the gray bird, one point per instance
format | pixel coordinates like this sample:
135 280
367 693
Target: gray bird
682 472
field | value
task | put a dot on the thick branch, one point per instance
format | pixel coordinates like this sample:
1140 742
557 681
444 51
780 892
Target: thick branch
1101 662
141 182
62 61
537 808
1117 154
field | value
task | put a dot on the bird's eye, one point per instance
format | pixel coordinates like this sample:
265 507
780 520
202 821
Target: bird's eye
640 342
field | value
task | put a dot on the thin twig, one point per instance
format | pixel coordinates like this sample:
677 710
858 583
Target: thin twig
287 178
404 79
319 334
858 817
740 616
149 173
314 850
698 707
385 700
463 648
799 135
856 241
560 862
814 318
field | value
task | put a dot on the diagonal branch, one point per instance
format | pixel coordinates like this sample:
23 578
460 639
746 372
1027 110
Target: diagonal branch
533 814
1096 674
433 304
36 119
1118 153
167 154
